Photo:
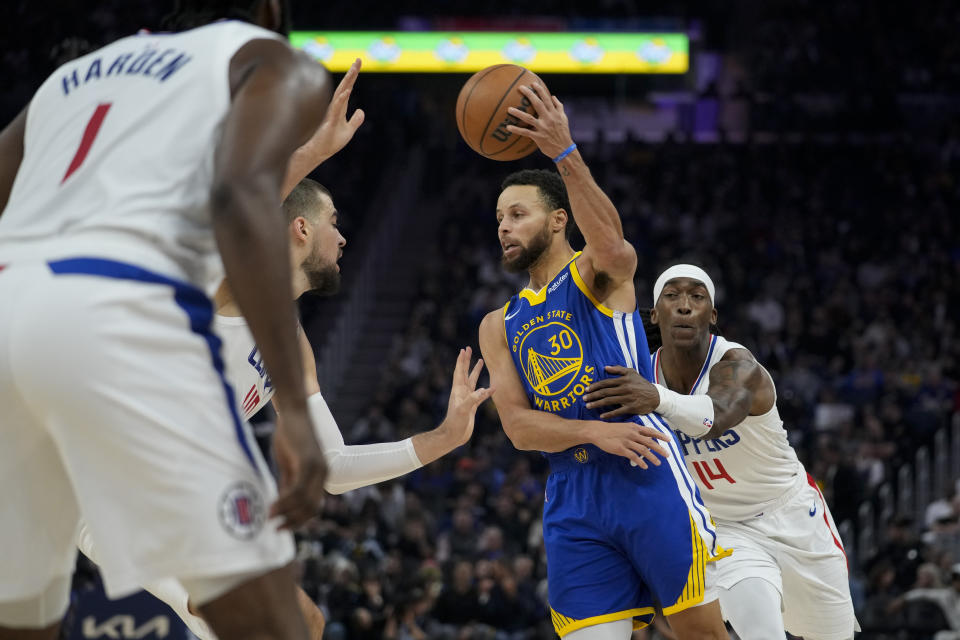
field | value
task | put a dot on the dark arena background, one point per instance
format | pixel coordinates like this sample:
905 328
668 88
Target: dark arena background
805 153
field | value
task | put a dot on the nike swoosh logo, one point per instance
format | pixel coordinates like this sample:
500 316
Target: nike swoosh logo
511 315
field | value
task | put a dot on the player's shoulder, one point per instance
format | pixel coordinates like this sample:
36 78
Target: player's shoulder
734 351
493 320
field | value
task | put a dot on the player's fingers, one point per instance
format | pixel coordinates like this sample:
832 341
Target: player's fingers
459 375
350 76
634 459
523 131
523 116
356 119
606 391
557 103
623 410
606 383
650 432
652 445
646 452
480 395
617 369
534 98
475 374
295 507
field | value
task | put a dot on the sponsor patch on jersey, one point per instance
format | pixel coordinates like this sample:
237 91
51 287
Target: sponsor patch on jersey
242 511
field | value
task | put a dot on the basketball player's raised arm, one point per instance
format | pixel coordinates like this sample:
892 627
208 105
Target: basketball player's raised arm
612 258
334 133
278 102
738 388
11 154
361 465
532 430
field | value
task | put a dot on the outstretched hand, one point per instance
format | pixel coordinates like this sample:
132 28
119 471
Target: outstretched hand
464 397
631 391
337 130
549 128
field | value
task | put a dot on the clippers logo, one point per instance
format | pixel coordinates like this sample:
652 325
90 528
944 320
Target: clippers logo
242 511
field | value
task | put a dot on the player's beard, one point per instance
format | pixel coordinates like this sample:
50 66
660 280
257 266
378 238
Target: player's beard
528 255
322 277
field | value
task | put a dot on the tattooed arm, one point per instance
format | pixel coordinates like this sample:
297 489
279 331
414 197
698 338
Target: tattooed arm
739 387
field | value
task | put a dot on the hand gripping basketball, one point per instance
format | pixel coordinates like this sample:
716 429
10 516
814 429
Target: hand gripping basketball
548 128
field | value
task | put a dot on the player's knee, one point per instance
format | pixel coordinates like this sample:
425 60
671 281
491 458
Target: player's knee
250 605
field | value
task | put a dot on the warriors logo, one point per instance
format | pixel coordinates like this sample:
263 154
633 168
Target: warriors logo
551 356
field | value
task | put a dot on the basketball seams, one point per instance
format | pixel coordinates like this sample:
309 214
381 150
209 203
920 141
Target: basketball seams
497 108
462 117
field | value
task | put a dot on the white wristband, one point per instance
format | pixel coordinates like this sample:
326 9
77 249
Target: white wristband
691 414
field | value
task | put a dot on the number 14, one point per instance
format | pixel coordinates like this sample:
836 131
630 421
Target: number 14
704 471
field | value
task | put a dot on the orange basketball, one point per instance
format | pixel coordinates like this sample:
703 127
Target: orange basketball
482 111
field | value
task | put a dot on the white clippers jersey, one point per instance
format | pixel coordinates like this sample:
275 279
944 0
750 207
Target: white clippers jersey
118 154
244 364
750 466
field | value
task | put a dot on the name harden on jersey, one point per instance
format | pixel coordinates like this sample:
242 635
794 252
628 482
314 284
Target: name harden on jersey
150 63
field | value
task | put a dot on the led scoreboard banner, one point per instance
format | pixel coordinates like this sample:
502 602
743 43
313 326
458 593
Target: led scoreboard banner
470 51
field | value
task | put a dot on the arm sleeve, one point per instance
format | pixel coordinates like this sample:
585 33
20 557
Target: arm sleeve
355 466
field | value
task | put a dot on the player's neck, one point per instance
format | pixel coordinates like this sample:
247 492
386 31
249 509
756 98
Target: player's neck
548 266
681 365
224 303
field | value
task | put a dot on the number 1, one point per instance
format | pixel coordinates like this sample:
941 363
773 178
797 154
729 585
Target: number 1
93 128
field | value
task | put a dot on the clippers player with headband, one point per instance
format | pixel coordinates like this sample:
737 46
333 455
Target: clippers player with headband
129 171
623 537
788 569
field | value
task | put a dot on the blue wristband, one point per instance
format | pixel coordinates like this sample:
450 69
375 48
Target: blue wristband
566 152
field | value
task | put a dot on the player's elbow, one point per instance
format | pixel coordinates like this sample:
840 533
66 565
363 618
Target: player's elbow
333 483
519 437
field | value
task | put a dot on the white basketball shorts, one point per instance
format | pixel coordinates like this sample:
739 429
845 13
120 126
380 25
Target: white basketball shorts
114 407
794 546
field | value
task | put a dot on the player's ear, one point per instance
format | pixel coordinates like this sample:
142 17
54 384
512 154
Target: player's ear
713 316
299 228
559 220
654 316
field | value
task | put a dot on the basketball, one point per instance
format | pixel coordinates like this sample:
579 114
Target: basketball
482 111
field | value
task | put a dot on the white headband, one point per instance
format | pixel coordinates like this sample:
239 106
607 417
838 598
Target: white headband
684 271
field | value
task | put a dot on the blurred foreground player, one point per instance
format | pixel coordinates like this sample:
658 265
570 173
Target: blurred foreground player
620 540
120 181
788 569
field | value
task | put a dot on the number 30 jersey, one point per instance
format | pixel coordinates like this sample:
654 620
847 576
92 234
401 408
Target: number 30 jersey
562 338
749 467
118 154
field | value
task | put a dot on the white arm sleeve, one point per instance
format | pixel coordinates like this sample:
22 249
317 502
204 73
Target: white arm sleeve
691 414
168 590
355 466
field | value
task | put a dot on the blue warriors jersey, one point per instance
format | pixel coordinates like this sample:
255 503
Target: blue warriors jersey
562 338
620 540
